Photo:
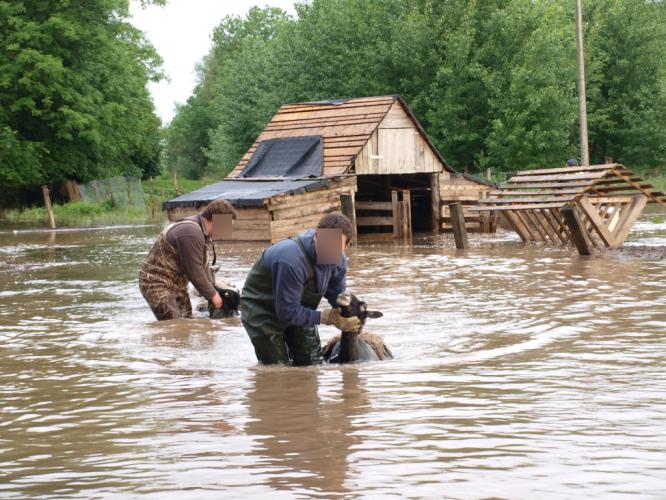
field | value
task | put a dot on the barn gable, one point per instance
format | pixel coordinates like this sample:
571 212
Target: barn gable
398 146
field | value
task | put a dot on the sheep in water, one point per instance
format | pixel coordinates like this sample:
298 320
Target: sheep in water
230 300
350 347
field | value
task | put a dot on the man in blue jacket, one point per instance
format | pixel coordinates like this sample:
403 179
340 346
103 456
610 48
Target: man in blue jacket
283 289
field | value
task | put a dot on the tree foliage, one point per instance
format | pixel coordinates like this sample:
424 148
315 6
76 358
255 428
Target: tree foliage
493 81
73 96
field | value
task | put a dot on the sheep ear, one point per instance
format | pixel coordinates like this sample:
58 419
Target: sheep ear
374 314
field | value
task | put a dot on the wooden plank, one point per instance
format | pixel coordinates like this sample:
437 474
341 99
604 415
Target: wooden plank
517 207
554 224
557 215
282 200
562 170
533 235
458 222
558 192
529 216
609 199
517 225
515 201
550 185
598 223
352 103
333 123
374 221
406 215
557 177
646 191
331 113
251 235
579 238
396 214
435 200
544 224
374 205
629 218
309 208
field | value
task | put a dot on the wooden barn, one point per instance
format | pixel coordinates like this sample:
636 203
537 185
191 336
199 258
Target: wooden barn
367 157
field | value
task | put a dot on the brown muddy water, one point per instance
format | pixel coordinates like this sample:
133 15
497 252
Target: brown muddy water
521 371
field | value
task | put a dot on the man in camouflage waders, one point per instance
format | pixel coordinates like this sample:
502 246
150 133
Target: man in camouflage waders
179 255
281 294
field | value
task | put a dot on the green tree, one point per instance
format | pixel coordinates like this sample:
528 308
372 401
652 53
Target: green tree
73 95
626 80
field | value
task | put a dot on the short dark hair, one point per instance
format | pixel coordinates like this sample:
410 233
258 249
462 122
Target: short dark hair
218 206
337 221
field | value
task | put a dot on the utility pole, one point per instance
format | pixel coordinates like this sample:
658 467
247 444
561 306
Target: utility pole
582 100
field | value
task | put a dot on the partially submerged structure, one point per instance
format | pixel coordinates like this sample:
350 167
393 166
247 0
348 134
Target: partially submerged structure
367 157
586 206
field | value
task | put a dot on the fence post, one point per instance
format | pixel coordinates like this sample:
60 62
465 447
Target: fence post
458 224
49 208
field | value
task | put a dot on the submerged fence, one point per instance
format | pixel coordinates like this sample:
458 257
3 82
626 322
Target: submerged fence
123 192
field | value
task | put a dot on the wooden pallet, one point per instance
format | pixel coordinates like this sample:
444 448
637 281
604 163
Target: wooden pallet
591 206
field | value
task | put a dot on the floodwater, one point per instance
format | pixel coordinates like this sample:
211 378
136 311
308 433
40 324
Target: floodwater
521 371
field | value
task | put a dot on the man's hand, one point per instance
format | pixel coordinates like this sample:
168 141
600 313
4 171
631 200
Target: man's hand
216 300
333 317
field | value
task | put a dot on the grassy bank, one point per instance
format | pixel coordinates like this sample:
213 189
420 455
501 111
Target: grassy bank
161 189
78 213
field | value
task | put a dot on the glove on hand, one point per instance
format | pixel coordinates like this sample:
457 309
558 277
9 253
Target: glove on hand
333 317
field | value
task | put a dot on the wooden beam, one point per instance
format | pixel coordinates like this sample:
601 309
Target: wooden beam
406 212
531 217
598 223
435 200
561 170
374 205
517 225
566 177
640 187
374 221
458 223
579 238
396 214
529 230
629 218
555 225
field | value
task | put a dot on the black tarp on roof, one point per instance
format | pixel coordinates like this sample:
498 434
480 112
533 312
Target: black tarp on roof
244 193
294 157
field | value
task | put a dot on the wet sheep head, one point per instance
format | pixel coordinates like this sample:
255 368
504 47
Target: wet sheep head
350 306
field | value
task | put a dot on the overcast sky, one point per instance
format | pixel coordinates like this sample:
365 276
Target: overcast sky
181 32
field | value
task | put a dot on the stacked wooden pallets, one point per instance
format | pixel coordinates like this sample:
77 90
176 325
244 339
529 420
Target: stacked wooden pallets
591 206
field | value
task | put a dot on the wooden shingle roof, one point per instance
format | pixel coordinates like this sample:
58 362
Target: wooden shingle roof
345 125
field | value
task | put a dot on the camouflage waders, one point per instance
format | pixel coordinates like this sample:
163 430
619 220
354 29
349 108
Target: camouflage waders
163 282
275 341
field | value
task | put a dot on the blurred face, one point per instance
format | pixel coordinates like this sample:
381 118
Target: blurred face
329 245
221 226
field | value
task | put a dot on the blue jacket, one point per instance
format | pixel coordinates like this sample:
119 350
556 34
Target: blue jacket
289 270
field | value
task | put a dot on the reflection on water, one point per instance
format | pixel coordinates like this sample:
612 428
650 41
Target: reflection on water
520 371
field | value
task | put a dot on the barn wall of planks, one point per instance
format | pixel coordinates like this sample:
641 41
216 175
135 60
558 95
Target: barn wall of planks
588 207
292 213
283 215
251 224
458 189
